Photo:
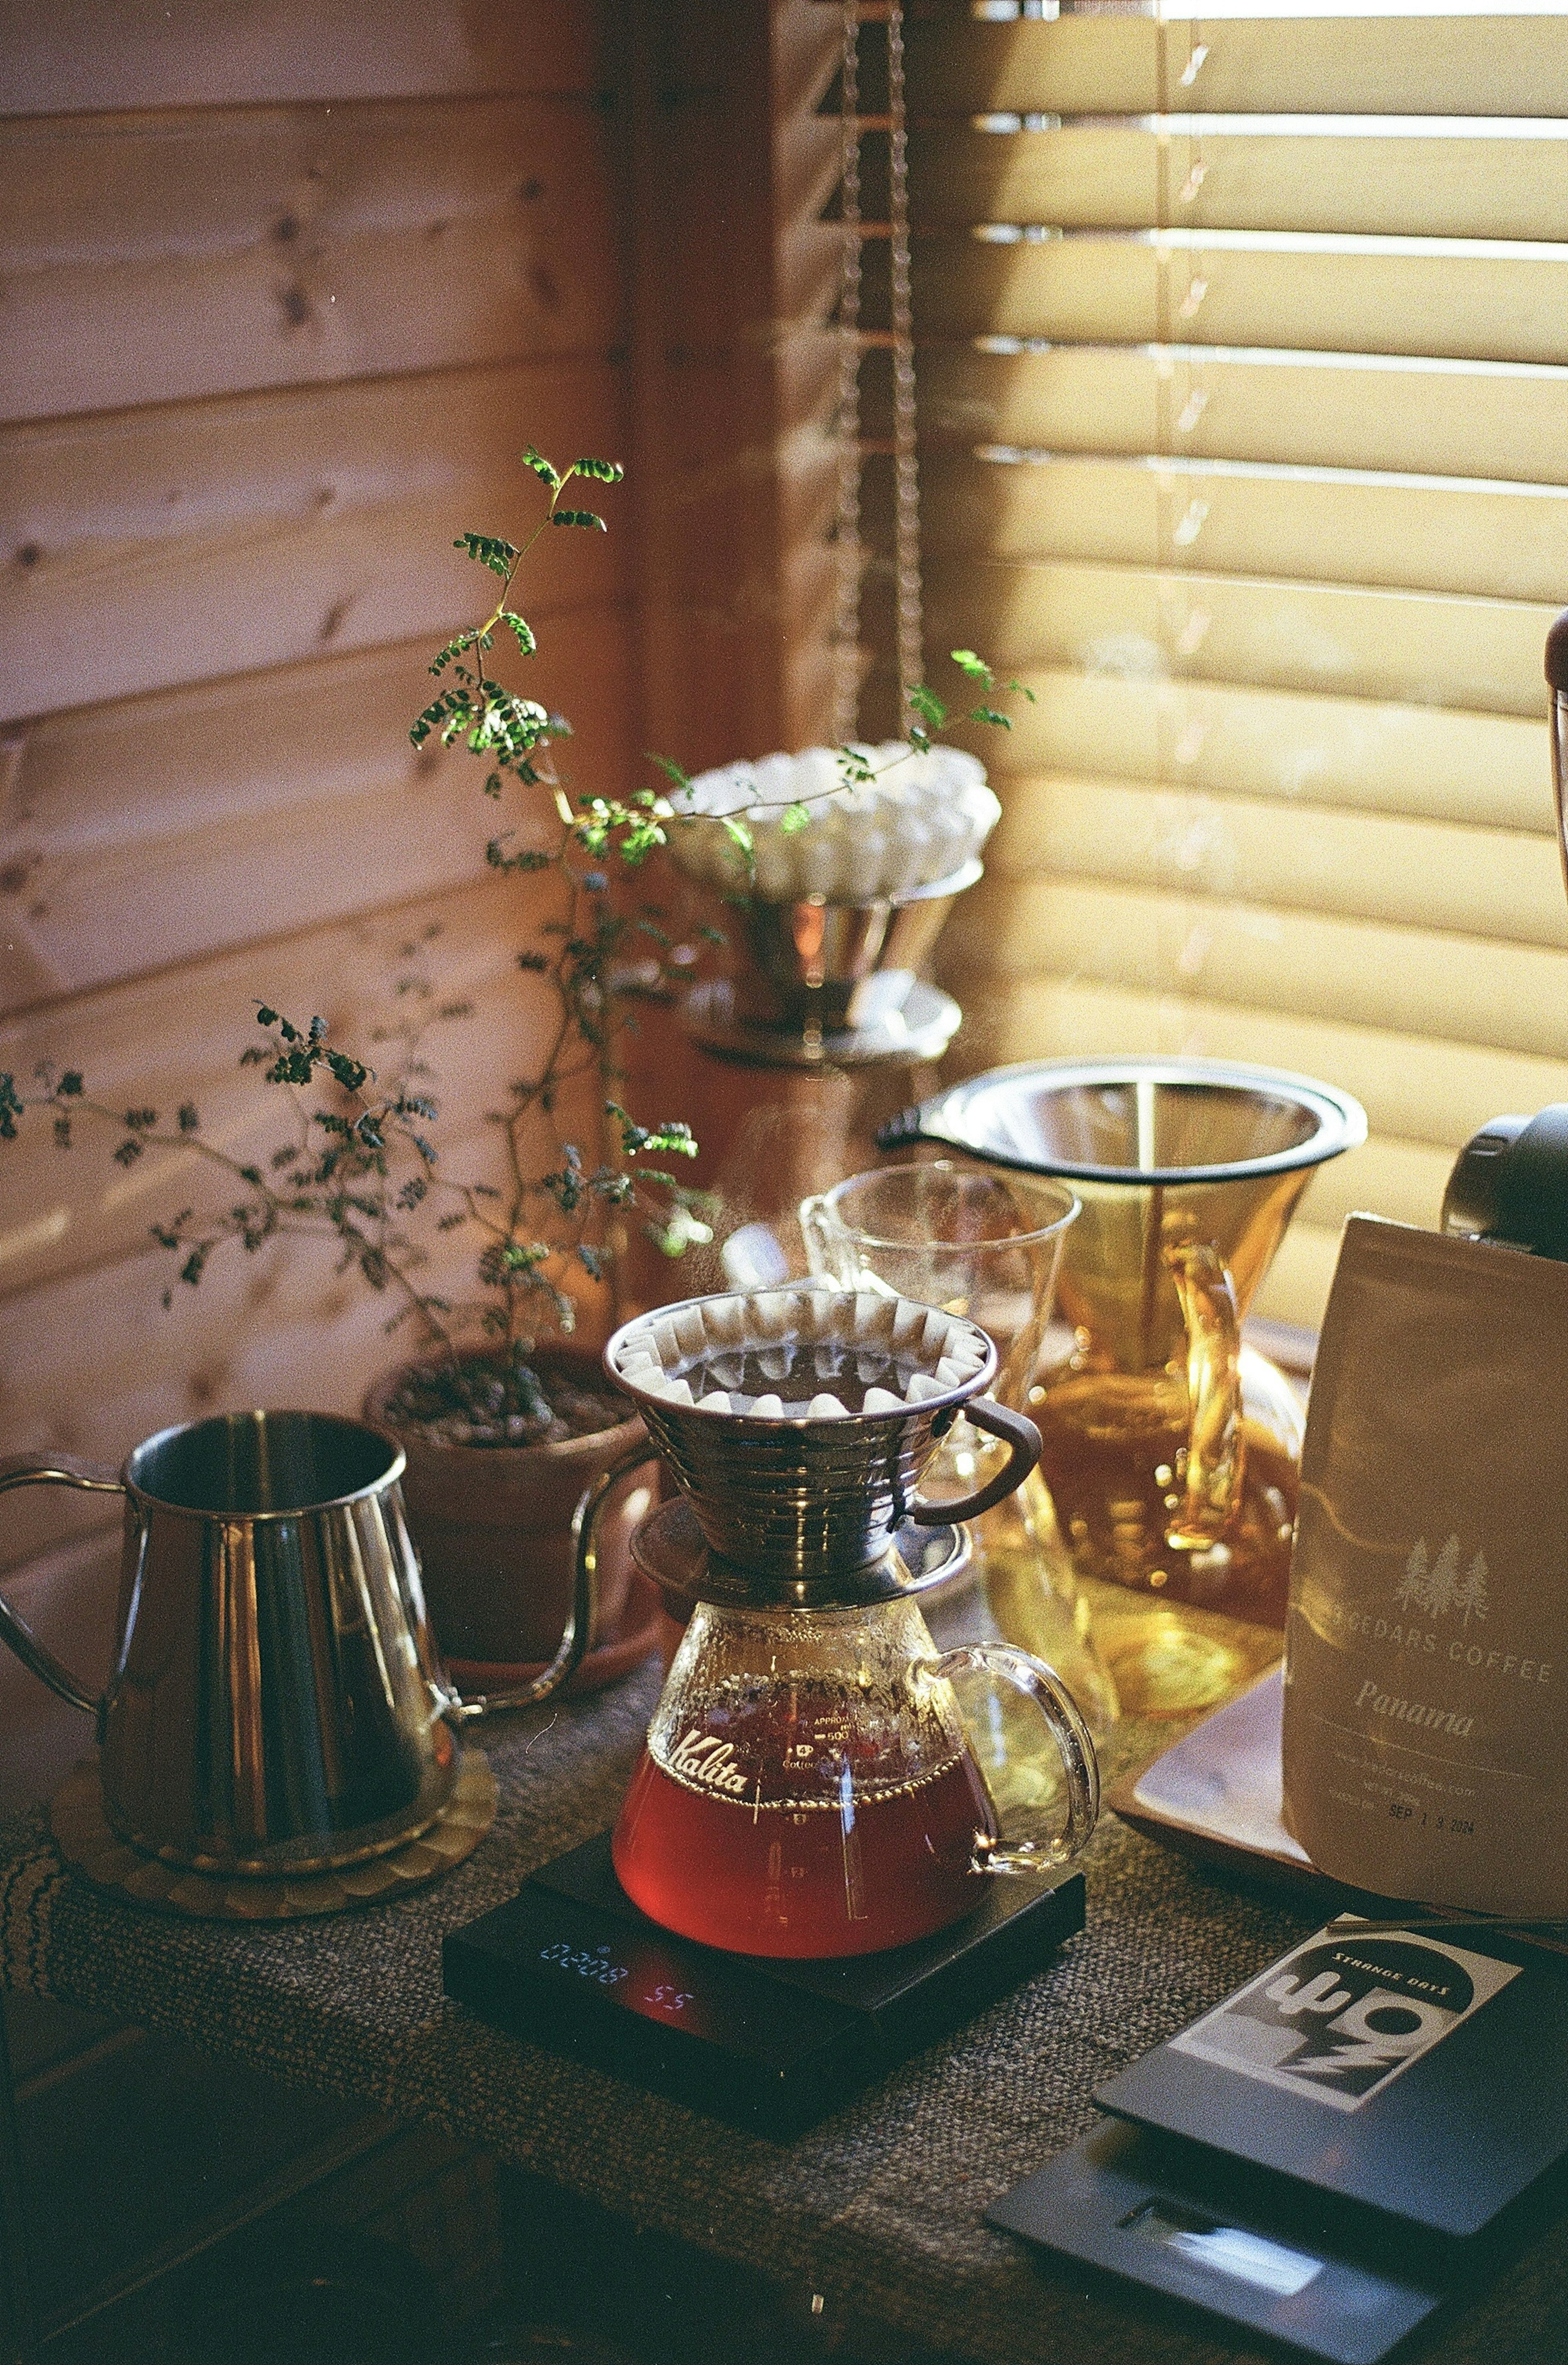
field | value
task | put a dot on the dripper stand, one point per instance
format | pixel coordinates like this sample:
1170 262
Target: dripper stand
829 1028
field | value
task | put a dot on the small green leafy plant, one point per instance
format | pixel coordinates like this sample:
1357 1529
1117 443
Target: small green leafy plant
927 717
358 1166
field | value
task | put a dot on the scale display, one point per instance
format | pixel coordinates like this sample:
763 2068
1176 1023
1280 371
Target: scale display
571 1964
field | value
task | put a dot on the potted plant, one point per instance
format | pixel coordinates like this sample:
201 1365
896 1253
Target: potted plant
503 1418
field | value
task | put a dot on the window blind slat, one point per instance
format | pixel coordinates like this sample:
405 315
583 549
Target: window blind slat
1505 543
1406 980
1486 304
1402 1179
1417 1087
1452 419
1459 186
1427 65
1148 624
1296 1288
1462 881
1272 519
1493 771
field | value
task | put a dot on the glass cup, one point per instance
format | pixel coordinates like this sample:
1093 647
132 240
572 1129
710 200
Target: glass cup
988 1246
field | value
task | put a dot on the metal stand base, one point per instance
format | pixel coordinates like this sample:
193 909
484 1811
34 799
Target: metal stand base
918 1028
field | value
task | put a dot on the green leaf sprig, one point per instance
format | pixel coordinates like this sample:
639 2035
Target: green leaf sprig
928 716
358 1166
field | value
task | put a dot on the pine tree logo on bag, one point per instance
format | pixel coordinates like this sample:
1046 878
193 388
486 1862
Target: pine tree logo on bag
1436 1586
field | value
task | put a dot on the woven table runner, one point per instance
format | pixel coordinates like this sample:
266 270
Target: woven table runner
878 2208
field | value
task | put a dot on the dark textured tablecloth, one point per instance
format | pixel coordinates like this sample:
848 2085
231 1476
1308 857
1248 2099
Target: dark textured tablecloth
878 2208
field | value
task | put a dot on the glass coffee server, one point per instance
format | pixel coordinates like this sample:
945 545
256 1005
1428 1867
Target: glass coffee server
809 1787
1169 1448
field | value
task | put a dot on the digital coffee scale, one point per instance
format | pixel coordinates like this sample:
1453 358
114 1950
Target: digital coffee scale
1352 2139
572 1964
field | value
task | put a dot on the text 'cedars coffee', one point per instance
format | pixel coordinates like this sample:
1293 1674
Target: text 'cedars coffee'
1425 1727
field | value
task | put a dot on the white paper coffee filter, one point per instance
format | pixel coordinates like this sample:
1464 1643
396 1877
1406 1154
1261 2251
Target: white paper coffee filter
920 817
901 1353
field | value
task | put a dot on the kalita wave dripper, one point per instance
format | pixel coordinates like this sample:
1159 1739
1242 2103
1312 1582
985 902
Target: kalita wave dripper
809 1788
796 1421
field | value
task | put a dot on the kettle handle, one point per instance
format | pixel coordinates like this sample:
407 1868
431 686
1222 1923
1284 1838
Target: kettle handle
50 1470
584 1598
1215 1445
1017 1430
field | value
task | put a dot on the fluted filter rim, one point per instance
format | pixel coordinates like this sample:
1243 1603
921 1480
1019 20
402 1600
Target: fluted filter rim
650 1356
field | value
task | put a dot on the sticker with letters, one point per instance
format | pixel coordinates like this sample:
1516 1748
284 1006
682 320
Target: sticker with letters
1339 2018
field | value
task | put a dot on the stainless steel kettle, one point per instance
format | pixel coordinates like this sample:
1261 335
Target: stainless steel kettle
275 1705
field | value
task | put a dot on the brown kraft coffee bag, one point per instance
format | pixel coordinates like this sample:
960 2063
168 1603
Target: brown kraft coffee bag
1426 1722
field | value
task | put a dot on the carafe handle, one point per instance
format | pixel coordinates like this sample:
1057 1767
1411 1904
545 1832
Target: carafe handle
1018 1433
50 1470
1080 1766
1215 1446
585 1599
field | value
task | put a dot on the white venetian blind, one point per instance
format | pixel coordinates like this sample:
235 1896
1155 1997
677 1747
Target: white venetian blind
1244 383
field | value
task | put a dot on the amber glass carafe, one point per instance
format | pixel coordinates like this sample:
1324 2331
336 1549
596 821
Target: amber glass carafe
1168 1477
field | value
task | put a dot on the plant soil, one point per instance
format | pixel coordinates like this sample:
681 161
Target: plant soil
473 1401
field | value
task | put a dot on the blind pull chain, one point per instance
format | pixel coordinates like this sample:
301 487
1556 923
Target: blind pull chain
906 477
908 621
846 547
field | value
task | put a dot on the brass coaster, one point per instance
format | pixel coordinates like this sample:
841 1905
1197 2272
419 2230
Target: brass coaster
83 1838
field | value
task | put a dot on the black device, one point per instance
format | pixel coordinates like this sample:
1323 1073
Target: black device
572 1964
1237 2245
1509 1184
1326 2157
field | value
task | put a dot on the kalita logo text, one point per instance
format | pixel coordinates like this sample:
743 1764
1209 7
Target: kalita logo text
710 1760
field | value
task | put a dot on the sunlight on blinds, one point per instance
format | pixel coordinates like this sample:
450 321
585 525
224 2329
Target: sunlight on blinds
1244 383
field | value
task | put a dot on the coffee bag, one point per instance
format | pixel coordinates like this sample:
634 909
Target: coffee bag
1426 1723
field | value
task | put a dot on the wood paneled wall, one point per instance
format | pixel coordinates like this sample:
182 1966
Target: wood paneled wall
731 167
285 287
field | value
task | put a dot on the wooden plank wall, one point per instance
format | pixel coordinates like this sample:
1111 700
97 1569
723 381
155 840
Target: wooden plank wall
285 287
729 169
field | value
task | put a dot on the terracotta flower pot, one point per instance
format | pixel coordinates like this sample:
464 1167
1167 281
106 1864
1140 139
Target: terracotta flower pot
493 1524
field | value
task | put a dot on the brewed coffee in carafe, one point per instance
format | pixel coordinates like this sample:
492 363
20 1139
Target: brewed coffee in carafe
808 1787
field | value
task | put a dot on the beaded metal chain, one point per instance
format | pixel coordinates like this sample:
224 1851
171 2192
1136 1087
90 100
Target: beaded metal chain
906 481
906 486
847 546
